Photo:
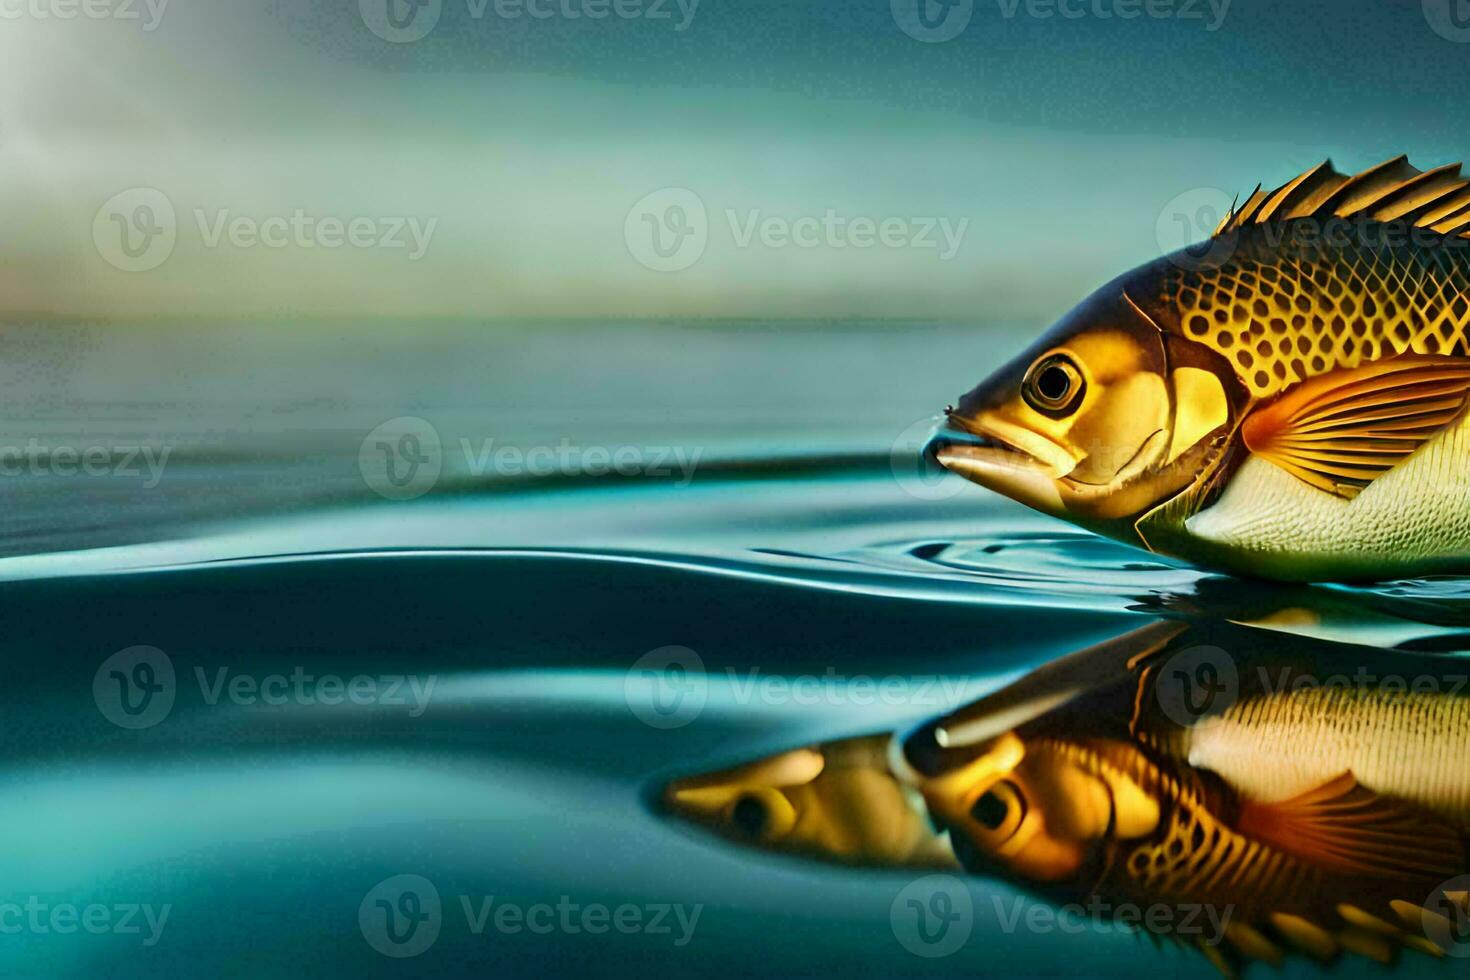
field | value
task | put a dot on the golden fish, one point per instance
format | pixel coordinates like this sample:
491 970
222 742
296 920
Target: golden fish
1322 799
837 801
1312 797
1286 401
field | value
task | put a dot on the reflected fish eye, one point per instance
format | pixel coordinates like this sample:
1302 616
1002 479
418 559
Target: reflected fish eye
989 811
749 815
1054 385
999 810
761 815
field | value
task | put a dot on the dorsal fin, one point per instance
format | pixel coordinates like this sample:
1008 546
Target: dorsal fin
1395 190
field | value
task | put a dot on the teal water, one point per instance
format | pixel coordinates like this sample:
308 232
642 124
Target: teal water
501 743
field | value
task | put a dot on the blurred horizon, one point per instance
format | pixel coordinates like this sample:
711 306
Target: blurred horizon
292 161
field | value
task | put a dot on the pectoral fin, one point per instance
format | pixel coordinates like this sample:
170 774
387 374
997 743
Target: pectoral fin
1345 827
1340 431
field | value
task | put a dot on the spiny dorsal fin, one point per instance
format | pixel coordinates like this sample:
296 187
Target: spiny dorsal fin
1394 190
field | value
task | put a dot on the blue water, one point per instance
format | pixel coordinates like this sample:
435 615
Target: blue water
806 545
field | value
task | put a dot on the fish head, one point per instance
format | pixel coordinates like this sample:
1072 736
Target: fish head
837 801
1098 422
1026 810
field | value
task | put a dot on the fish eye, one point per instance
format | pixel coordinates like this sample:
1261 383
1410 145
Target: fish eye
749 815
1053 385
999 810
761 815
989 811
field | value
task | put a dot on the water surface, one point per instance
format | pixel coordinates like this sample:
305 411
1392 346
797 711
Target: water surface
805 546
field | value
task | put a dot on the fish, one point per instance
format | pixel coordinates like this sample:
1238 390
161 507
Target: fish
1286 400
1313 798
837 802
1321 805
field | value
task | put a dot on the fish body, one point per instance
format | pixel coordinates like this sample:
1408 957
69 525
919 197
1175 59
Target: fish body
1321 805
1307 796
1287 400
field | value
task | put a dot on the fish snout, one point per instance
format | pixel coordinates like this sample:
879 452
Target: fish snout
951 439
1000 455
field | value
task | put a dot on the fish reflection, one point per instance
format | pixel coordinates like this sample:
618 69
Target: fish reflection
1315 797
837 801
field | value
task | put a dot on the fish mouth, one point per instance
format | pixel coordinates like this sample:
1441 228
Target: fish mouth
972 448
985 454
958 446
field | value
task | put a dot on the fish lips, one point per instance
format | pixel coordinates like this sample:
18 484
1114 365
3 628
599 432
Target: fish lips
981 456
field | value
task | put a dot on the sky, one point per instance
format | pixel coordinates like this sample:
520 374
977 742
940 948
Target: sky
512 159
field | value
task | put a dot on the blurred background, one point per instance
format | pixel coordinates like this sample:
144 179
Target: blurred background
1057 131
